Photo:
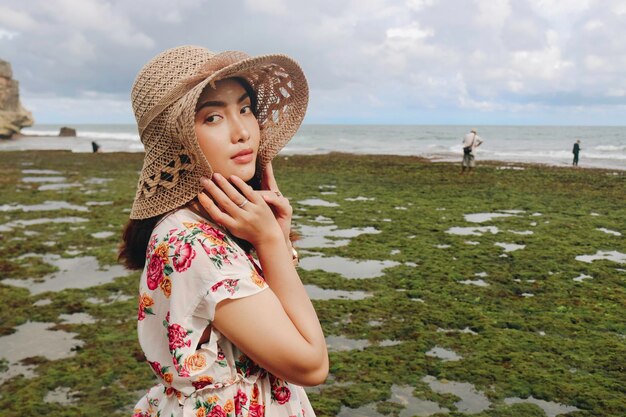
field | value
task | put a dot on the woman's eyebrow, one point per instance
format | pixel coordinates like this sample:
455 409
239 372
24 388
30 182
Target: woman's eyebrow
221 103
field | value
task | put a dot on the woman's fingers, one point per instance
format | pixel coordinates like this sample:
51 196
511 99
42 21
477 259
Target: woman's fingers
247 191
221 198
214 211
233 194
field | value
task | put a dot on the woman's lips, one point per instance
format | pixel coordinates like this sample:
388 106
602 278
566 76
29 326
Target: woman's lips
243 157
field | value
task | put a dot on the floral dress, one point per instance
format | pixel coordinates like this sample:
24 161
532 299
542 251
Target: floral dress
192 265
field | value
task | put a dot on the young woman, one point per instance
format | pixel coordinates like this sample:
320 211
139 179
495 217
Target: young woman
224 335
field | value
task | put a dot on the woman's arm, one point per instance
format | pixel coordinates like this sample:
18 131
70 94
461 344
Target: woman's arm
277 328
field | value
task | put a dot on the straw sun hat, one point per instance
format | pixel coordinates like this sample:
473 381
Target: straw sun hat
164 98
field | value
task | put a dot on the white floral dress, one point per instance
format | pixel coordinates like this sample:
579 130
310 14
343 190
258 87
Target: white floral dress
192 265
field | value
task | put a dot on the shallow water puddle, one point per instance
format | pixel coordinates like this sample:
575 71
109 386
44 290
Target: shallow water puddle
99 203
360 198
19 223
614 256
342 343
61 395
608 231
77 318
471 400
60 186
40 172
98 181
476 282
349 268
464 330
551 408
318 236
45 206
51 344
81 272
317 293
413 406
582 277
522 232
402 395
509 247
445 355
485 217
102 235
472 231
43 179
113 298
317 202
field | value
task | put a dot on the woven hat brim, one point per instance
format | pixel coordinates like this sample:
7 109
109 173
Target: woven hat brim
282 97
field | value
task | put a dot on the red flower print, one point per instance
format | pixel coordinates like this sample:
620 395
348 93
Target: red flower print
155 272
156 366
217 286
182 257
176 335
240 399
282 394
202 382
256 410
211 231
217 411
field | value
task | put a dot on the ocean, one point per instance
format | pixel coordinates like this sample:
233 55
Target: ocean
602 147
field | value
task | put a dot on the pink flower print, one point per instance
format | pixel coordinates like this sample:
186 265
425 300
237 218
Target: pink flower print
182 257
156 366
211 231
240 399
217 411
217 286
282 394
176 335
256 410
155 272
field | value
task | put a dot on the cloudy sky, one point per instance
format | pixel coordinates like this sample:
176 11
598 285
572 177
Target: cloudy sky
367 61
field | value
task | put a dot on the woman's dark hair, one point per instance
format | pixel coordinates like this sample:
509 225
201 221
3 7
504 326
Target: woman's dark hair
136 233
135 238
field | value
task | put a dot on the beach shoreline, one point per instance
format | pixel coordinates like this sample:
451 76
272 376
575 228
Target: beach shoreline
77 145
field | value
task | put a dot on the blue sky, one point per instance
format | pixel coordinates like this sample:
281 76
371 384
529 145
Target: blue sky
474 62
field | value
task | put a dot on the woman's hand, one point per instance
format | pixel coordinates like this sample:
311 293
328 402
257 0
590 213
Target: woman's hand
243 212
279 204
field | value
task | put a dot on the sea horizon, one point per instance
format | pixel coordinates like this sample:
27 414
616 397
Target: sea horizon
602 146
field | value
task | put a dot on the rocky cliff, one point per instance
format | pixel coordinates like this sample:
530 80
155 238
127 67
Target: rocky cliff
13 116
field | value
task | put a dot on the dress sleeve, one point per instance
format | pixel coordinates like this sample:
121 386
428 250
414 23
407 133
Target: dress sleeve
221 268
192 265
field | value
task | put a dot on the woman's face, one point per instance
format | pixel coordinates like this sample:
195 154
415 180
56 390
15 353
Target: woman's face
227 130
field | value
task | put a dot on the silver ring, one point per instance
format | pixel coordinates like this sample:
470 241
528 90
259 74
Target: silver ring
245 201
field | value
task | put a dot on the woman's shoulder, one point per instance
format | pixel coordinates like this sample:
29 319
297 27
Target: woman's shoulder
183 219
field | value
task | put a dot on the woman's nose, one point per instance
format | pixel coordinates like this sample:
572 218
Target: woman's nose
239 131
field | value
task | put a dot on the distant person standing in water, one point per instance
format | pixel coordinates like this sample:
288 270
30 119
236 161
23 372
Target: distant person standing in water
95 147
576 151
470 142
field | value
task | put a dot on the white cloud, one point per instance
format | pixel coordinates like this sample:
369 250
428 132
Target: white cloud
15 19
417 5
271 7
410 33
7 34
493 13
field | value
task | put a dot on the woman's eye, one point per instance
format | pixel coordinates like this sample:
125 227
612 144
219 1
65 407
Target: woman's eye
212 118
246 109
